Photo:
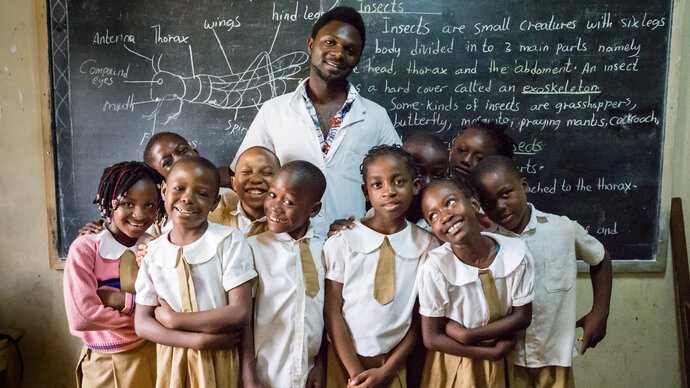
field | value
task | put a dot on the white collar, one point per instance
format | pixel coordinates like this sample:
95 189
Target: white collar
111 249
163 253
239 211
536 217
409 243
511 253
287 239
425 225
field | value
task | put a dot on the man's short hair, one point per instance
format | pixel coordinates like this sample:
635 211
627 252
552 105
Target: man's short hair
342 14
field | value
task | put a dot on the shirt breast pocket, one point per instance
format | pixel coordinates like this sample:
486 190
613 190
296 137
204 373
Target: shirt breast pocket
559 272
352 160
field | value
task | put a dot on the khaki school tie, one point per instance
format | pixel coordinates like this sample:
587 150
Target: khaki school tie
384 279
128 271
491 294
309 273
257 227
184 278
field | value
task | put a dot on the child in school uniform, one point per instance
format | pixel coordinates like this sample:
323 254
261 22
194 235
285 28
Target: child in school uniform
244 208
288 303
199 274
544 355
430 157
475 293
161 151
370 279
100 274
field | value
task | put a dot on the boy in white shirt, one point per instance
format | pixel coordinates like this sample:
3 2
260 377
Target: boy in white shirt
544 357
244 208
288 304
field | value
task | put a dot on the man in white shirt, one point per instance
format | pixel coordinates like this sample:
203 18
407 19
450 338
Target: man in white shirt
325 121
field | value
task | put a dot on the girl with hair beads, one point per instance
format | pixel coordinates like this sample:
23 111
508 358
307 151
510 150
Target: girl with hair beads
371 293
475 293
160 152
100 273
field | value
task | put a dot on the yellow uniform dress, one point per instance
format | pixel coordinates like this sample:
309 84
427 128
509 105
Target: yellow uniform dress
195 277
472 297
378 317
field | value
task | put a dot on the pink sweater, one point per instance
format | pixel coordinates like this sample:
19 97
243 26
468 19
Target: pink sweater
101 328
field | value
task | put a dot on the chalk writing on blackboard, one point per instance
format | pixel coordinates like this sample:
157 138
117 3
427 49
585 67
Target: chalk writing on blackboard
581 87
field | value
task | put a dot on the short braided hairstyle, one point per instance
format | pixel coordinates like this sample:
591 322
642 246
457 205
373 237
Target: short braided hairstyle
117 179
395 151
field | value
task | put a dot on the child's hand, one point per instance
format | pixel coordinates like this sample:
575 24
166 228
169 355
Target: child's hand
369 378
341 224
503 347
221 341
165 315
594 326
141 252
112 298
317 376
92 227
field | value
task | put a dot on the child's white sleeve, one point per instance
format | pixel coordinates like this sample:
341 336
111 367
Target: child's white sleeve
587 248
237 259
523 281
433 291
146 291
333 255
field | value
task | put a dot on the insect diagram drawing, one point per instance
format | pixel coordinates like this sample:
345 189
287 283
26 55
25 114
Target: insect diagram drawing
262 80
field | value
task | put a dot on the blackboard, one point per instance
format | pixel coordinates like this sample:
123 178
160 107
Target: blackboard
582 86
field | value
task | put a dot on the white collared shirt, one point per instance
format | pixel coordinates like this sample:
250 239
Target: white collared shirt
111 249
556 242
159 228
243 221
425 225
351 258
288 324
284 126
452 289
220 260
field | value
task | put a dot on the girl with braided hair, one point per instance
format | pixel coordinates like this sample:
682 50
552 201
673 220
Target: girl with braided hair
100 272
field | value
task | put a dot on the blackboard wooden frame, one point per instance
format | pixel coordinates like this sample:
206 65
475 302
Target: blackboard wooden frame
43 40
656 264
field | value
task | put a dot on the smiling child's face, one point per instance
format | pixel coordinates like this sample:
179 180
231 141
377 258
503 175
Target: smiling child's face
255 170
135 212
451 215
168 150
289 205
190 192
